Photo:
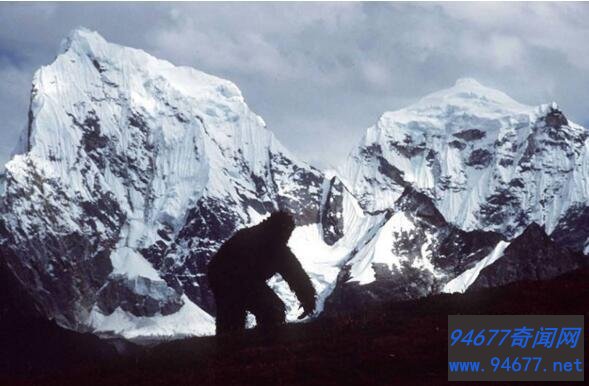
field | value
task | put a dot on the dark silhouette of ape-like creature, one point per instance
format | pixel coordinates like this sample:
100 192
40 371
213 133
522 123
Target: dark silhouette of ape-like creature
238 272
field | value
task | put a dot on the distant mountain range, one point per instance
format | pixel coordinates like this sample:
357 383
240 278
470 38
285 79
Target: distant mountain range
132 172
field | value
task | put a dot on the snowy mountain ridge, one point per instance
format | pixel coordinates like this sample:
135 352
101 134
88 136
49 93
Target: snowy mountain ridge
487 161
136 168
487 168
133 172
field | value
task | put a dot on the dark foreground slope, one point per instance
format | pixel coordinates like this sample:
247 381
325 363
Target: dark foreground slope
31 344
398 343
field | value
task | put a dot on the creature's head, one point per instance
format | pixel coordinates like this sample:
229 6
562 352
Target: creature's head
281 225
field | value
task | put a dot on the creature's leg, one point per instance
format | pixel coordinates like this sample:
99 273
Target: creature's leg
266 306
230 314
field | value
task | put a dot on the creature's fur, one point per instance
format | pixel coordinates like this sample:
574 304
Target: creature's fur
238 272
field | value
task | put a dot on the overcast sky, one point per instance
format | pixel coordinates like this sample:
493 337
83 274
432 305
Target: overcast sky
319 74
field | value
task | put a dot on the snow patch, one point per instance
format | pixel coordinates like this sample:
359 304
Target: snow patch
190 320
466 278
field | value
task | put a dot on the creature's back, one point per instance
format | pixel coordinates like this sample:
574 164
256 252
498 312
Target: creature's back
241 258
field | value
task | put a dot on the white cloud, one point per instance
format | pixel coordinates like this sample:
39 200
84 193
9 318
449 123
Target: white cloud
554 26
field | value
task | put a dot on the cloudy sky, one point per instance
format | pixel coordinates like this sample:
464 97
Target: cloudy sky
319 74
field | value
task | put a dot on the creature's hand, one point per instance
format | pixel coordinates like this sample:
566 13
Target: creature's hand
308 310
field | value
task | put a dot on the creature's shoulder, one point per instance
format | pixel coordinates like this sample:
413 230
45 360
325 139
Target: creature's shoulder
241 237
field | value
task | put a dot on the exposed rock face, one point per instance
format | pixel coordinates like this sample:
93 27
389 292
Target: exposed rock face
412 255
531 256
332 219
139 296
16 304
572 230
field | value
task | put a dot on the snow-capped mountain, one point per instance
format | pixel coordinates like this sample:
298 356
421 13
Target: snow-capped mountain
486 169
132 174
487 161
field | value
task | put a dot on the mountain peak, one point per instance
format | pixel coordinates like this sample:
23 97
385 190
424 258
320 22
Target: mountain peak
82 39
468 94
84 33
467 82
472 149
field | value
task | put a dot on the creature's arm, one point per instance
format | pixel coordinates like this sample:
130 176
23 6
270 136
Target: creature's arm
298 281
